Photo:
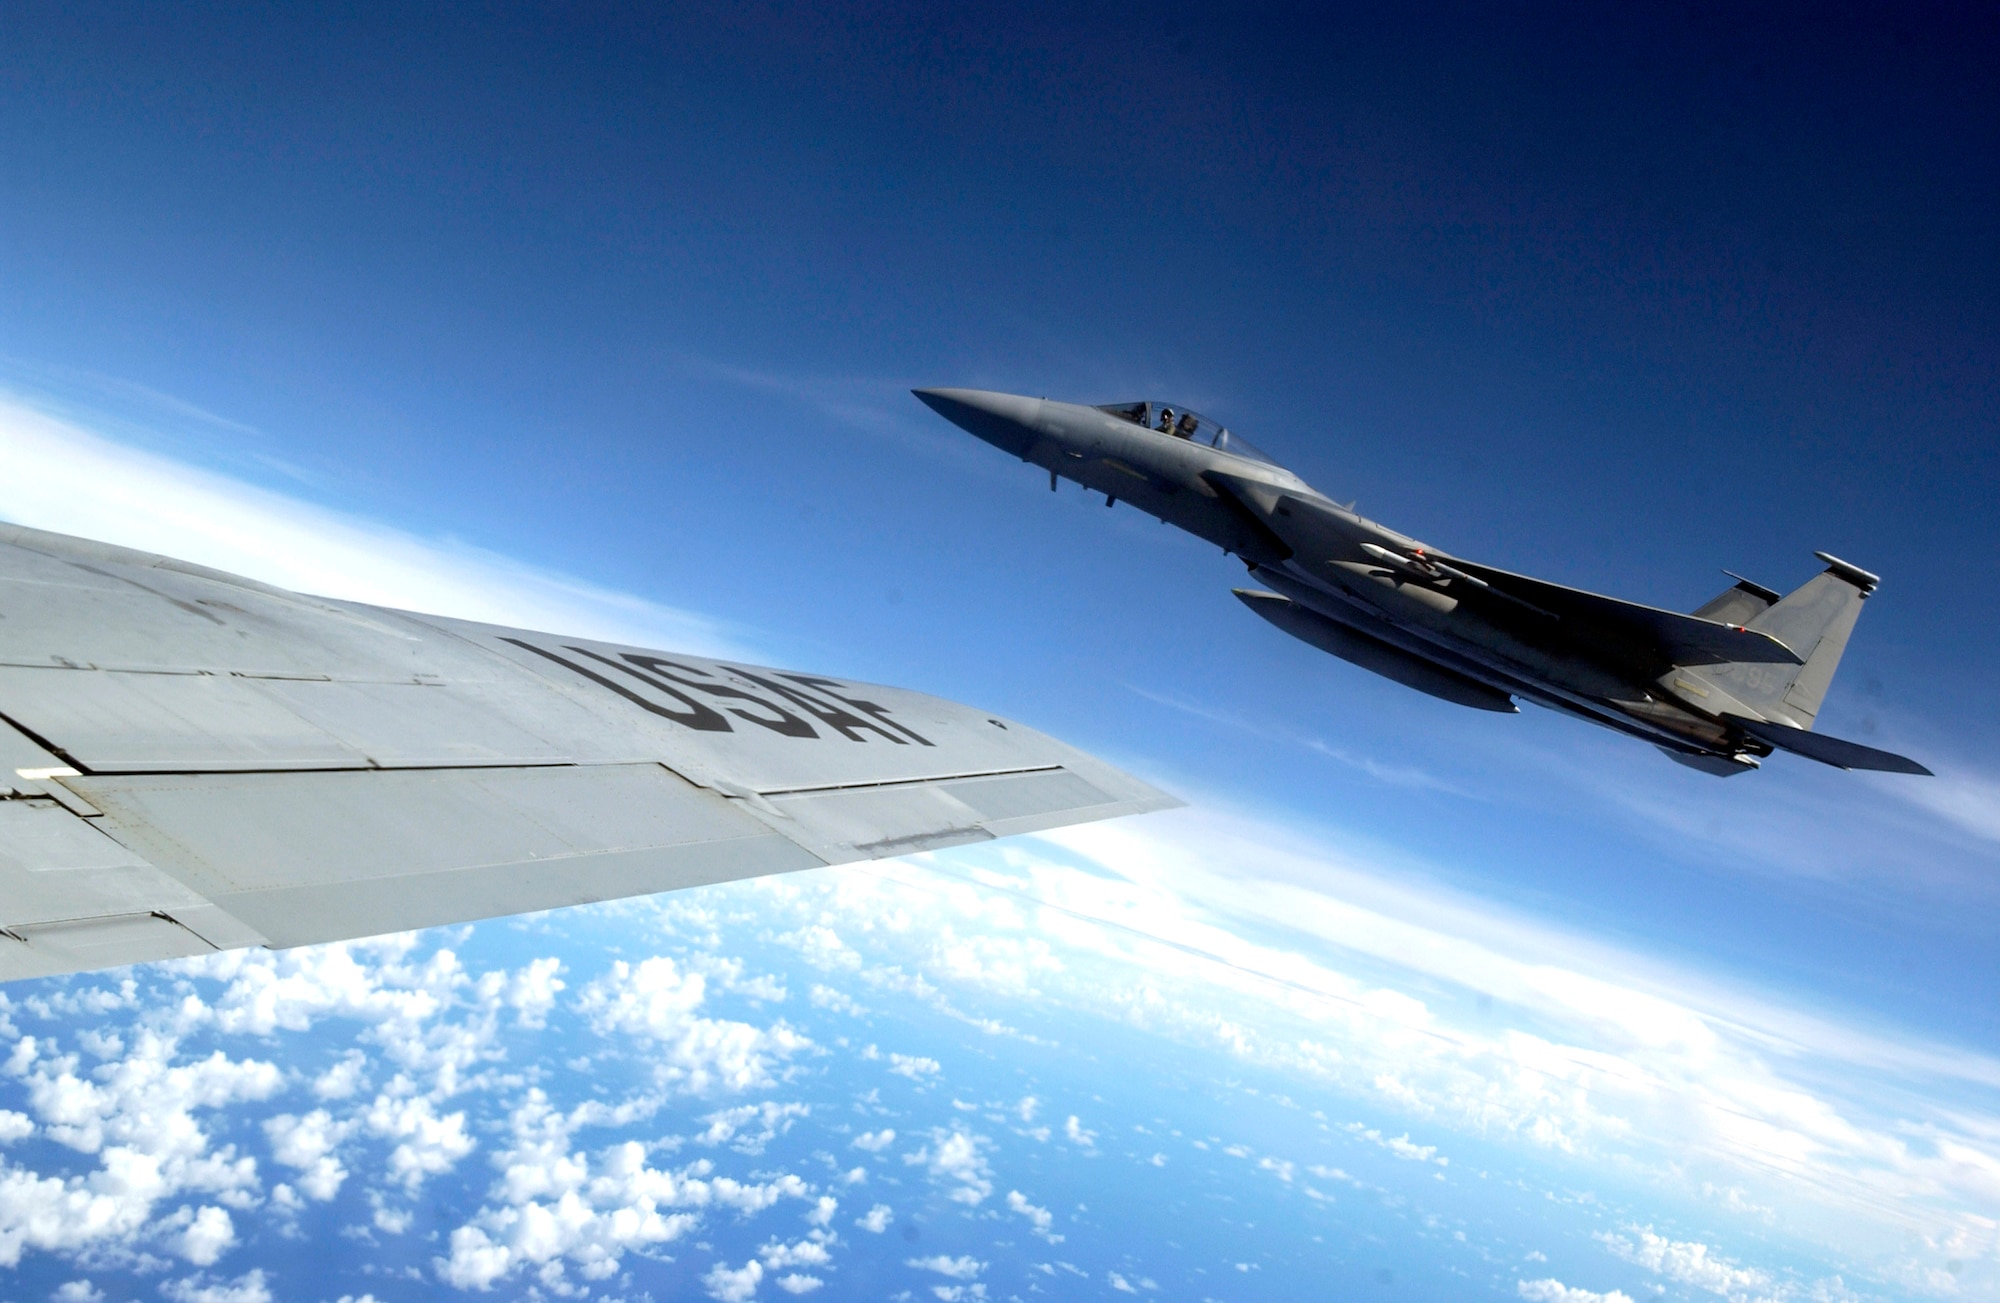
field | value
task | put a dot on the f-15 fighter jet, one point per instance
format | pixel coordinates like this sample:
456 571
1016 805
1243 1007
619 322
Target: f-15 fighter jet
192 761
1717 690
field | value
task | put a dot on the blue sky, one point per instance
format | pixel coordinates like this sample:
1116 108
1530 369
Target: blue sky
615 315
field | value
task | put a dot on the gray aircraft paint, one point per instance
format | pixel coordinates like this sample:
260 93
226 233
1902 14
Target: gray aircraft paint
1719 689
192 761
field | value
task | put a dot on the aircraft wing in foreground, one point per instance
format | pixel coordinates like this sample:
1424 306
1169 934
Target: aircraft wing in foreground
1717 689
192 761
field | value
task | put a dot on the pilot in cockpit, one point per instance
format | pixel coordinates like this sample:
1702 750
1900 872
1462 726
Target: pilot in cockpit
1186 428
1166 420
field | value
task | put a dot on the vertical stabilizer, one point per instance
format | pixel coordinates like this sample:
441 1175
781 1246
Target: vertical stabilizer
1815 621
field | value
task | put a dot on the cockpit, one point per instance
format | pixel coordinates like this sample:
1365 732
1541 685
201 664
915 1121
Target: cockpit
1182 423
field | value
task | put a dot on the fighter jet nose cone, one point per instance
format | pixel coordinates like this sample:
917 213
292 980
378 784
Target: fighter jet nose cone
940 401
1004 420
957 404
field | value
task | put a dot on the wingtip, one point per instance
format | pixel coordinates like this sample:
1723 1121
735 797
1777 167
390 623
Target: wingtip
1866 581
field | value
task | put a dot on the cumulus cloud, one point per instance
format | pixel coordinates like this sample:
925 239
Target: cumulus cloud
208 1234
876 1141
822 946
1039 1219
1009 964
747 1128
555 1202
139 1110
914 1066
137 1115
429 1018
144 1099
251 1287
532 991
809 1252
655 999
963 1267
733 1285
875 1220
955 1157
1688 1262
826 997
267 991
1401 1146
344 1079
1554 1291
427 1144
307 1143
161 1185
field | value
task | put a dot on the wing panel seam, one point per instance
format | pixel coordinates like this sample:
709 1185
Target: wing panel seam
907 782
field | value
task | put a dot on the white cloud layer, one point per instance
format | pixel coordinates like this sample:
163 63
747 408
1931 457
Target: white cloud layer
1238 936
1554 1291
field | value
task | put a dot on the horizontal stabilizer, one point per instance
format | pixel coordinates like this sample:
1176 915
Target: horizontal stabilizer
1833 751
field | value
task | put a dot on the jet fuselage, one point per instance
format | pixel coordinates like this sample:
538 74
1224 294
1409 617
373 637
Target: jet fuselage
1382 599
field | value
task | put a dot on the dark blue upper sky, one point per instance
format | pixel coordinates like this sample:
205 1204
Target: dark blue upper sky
1616 296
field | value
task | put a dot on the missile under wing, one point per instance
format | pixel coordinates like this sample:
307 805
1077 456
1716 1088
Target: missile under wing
1717 689
193 761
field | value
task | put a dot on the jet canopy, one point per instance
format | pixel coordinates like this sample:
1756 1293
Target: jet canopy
1184 423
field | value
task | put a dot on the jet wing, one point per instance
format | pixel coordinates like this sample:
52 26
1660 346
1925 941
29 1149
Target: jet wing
1680 639
1317 531
191 761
